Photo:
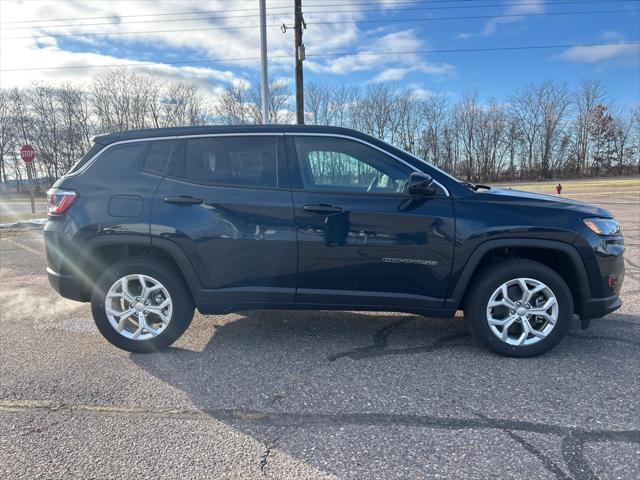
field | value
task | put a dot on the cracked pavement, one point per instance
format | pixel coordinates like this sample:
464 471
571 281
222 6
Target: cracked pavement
311 394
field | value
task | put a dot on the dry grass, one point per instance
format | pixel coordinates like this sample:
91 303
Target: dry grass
603 183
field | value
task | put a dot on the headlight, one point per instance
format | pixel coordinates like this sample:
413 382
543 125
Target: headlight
603 226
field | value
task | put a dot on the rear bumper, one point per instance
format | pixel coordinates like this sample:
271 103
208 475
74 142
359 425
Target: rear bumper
599 307
67 286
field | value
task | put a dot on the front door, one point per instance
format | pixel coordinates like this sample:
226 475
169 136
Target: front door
362 240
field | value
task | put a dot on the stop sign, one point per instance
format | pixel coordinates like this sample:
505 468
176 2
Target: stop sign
27 153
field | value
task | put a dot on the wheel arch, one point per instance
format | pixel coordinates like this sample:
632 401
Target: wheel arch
100 252
561 257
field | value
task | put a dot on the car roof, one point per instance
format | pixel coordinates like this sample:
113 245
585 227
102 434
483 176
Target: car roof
108 138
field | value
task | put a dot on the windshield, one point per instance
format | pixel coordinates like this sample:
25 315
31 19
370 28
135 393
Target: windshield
448 175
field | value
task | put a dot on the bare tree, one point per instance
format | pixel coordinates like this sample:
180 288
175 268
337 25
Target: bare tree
589 94
6 133
542 131
232 107
317 104
280 110
553 100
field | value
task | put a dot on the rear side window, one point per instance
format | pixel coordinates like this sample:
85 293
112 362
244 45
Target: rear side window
157 156
236 161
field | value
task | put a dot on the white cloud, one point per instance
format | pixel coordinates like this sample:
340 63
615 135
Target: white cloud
395 65
464 35
522 8
597 53
50 53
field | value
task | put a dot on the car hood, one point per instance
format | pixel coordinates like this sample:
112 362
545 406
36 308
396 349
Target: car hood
543 199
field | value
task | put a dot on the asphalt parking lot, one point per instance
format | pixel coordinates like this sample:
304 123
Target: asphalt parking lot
311 394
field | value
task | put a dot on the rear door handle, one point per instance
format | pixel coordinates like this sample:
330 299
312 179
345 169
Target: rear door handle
322 209
183 200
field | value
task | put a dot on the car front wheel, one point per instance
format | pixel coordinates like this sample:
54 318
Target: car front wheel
519 308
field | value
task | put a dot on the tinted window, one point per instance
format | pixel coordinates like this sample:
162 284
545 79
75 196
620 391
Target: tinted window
95 148
127 153
242 160
158 156
346 165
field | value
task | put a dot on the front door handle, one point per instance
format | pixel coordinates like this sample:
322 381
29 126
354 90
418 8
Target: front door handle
183 200
322 209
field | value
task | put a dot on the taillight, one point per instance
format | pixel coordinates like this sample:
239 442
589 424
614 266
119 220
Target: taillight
58 201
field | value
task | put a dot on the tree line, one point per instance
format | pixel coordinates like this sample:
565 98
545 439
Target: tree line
540 131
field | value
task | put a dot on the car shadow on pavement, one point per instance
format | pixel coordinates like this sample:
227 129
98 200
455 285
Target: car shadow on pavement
275 374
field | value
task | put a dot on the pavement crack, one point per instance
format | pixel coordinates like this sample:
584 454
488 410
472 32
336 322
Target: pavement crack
609 338
381 339
546 461
573 455
264 459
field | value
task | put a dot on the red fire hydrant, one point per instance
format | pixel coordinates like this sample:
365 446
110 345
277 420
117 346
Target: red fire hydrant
559 188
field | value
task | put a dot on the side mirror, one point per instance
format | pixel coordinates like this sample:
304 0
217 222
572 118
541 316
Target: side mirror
421 184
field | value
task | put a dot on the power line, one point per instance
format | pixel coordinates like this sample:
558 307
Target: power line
65 35
330 54
465 50
329 22
386 10
470 17
241 10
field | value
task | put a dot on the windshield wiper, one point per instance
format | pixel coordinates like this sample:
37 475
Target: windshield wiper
474 186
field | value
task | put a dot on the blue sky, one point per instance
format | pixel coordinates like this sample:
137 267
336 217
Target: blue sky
365 26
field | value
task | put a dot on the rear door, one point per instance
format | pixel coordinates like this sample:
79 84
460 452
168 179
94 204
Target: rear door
224 202
362 239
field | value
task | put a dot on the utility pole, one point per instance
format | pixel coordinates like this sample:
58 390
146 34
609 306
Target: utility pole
299 25
264 87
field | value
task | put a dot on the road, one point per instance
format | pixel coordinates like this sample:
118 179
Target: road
311 394
10 209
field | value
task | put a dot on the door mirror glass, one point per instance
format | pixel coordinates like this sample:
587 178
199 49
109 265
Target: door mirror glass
421 184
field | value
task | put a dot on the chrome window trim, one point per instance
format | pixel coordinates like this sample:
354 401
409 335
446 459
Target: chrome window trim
348 137
170 137
252 134
119 142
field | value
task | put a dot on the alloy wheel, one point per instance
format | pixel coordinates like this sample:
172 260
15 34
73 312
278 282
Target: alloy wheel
138 307
522 311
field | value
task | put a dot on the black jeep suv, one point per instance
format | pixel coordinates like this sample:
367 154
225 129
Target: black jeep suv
153 223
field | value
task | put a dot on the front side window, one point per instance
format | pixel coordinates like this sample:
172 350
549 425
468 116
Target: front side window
337 164
240 161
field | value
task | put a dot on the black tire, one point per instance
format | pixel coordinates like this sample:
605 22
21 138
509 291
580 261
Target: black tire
182 303
489 279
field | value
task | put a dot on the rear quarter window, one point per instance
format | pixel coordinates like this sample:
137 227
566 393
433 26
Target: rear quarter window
118 161
95 148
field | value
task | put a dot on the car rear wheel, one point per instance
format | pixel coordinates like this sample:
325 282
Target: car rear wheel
519 308
141 305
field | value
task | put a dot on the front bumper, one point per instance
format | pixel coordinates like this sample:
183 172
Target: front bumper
599 307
